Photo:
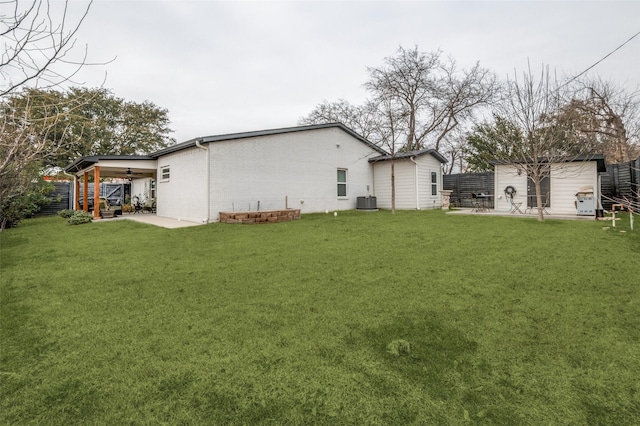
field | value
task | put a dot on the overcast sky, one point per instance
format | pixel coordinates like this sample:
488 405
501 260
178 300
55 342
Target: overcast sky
232 66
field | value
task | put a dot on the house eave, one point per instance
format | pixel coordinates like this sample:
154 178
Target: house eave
87 162
410 154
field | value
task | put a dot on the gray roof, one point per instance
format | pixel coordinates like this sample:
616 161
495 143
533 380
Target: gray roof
598 158
209 139
84 162
409 154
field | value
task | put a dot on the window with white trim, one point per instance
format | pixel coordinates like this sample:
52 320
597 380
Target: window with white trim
342 182
434 183
165 173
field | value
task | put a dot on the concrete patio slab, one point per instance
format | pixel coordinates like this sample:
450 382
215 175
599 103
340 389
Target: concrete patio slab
153 219
534 214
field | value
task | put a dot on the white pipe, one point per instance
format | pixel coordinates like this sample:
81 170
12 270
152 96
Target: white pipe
73 198
412 159
208 186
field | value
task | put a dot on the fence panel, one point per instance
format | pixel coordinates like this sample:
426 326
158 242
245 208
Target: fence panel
61 197
464 185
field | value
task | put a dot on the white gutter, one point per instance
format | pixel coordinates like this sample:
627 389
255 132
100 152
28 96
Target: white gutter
412 159
208 196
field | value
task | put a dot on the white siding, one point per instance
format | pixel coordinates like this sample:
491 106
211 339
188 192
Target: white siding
141 188
507 175
184 195
413 183
300 167
405 177
426 165
566 180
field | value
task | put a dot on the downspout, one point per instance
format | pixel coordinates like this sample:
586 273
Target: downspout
412 159
75 182
208 186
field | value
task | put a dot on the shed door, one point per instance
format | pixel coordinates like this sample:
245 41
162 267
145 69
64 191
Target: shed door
545 187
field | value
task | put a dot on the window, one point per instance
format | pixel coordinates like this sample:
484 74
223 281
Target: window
342 183
165 173
434 183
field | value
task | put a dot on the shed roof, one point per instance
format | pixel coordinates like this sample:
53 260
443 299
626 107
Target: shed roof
598 158
410 154
232 136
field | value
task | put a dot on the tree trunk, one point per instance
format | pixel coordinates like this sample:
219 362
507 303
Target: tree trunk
393 186
536 181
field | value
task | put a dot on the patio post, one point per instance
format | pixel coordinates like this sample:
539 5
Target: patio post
96 192
85 192
76 203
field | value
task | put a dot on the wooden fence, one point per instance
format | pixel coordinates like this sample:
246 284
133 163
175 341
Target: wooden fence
464 185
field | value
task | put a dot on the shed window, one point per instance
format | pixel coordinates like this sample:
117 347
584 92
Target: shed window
165 173
434 183
342 182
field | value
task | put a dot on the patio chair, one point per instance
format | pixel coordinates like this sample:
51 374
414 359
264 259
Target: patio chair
476 203
106 210
150 205
515 206
545 203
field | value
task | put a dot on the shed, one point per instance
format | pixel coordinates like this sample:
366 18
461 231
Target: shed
563 183
418 179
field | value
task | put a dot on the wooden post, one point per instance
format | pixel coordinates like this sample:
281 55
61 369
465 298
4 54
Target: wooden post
85 192
76 204
96 192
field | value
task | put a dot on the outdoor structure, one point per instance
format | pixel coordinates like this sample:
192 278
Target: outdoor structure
418 179
106 166
309 168
559 190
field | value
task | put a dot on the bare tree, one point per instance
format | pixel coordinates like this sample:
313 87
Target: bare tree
608 119
390 127
38 45
359 118
434 97
453 147
27 141
532 104
37 41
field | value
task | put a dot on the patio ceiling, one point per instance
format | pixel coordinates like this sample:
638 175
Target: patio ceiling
125 167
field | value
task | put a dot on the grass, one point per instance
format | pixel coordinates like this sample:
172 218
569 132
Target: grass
363 318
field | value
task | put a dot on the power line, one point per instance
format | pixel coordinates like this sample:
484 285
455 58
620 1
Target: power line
605 57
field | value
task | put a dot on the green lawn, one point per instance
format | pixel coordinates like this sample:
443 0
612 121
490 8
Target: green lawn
363 319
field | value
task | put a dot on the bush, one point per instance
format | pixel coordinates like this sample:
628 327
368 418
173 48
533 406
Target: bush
66 213
79 217
24 203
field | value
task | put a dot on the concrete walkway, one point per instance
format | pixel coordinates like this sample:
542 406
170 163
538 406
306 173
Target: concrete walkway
153 219
534 214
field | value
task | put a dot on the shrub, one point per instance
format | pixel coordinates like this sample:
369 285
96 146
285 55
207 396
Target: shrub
80 217
66 213
24 202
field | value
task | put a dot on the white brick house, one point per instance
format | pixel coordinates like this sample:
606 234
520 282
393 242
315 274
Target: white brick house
311 168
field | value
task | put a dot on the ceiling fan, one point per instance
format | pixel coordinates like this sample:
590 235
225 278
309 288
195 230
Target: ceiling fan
130 174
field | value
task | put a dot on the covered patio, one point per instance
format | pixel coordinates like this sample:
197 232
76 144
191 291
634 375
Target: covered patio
107 166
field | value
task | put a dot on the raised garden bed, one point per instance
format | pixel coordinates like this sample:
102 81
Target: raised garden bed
265 216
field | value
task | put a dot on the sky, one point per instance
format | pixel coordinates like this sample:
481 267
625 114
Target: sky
232 66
